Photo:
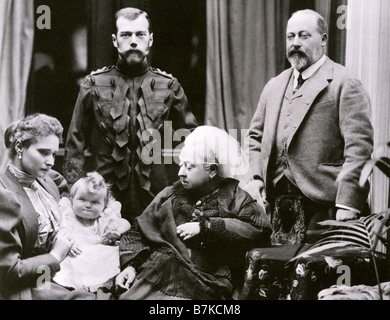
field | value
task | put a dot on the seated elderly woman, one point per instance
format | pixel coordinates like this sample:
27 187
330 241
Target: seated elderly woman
194 235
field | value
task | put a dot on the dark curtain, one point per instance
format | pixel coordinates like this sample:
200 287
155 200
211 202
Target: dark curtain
16 47
179 47
17 31
59 60
246 41
338 43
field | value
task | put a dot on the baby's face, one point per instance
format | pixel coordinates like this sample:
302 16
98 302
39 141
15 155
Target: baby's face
88 205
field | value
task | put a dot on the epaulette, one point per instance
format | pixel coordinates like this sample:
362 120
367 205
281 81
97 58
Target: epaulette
160 72
102 70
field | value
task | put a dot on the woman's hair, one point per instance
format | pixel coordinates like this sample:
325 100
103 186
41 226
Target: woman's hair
29 130
212 146
217 150
94 183
8 134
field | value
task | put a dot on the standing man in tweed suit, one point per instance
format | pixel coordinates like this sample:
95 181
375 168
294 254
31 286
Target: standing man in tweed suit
311 124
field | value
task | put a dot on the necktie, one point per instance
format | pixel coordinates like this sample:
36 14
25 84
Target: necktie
300 83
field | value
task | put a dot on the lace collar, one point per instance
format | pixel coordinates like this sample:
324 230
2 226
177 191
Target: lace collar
25 179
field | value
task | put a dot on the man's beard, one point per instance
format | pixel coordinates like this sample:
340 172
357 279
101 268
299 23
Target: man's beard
301 60
132 57
298 59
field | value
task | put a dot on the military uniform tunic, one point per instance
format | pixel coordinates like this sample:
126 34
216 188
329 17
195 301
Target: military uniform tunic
114 107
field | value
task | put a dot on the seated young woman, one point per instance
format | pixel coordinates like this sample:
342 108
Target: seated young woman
31 245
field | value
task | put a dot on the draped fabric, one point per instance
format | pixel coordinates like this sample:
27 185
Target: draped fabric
367 55
245 49
334 12
16 45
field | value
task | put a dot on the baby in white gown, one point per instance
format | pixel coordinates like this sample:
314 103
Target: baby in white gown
94 220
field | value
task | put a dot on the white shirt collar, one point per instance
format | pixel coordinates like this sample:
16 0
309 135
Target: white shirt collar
307 73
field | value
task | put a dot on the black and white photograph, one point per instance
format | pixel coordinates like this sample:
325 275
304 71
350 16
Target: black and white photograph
207 156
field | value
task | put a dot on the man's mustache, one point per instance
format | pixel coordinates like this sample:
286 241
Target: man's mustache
130 51
298 52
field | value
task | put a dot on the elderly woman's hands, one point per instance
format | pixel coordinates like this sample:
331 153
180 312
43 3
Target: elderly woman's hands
188 230
124 279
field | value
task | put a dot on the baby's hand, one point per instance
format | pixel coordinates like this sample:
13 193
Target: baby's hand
74 251
111 238
61 245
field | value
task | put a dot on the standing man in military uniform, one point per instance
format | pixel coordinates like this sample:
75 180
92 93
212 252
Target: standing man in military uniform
115 106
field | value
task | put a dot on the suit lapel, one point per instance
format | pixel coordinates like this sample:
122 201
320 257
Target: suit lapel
309 92
276 101
50 187
28 213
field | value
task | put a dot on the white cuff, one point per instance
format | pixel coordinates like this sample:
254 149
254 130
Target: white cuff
341 206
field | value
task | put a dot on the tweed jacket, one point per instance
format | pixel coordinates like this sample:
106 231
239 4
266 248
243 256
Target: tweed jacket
331 139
